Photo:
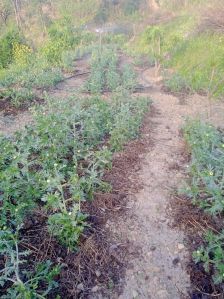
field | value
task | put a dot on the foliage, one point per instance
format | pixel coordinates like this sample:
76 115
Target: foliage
67 226
177 83
127 122
21 53
20 79
105 74
6 47
59 162
24 283
207 168
196 57
200 62
212 256
206 189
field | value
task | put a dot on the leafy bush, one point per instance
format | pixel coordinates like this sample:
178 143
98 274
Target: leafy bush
19 80
206 189
127 121
57 163
177 83
36 283
207 168
212 256
105 74
6 47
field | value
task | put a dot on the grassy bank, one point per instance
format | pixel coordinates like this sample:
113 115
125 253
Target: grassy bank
189 44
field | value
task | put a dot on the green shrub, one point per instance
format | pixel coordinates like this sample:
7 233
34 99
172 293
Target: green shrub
212 256
206 189
20 283
177 83
207 168
6 47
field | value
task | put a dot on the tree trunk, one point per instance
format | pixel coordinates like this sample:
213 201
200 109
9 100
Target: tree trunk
16 7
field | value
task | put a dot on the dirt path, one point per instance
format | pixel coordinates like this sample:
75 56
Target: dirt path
158 268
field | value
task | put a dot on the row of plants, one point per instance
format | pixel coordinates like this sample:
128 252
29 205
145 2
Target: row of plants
55 166
28 69
105 74
206 189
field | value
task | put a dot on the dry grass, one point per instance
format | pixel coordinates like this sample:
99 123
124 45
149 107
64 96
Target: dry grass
212 18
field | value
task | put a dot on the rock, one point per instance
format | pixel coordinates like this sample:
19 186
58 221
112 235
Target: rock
95 289
98 273
180 246
80 287
134 294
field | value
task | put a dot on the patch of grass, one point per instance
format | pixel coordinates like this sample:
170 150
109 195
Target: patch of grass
200 61
177 83
196 57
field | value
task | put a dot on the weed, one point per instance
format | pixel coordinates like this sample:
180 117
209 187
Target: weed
24 284
212 256
207 170
206 189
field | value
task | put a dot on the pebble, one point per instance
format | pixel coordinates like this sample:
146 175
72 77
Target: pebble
80 287
98 273
180 246
134 294
95 289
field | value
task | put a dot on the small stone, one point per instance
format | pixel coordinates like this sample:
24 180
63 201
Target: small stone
180 246
80 287
98 273
95 289
134 294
